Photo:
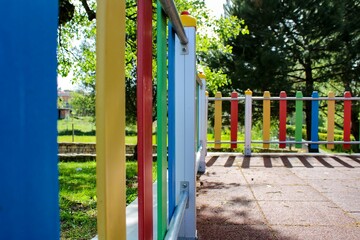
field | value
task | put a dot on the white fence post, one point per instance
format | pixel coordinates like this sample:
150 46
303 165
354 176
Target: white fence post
185 125
248 123
202 122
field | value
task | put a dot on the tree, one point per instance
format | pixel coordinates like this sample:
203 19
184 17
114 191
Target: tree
292 45
77 33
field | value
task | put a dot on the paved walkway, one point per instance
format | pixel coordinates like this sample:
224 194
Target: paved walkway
279 197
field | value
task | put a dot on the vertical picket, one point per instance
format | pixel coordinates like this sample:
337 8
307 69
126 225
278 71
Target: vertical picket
218 120
282 119
330 121
266 119
29 191
202 122
347 120
110 120
248 121
144 116
161 123
314 121
234 118
171 121
298 118
185 123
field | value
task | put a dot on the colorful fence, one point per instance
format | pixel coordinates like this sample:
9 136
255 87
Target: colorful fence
29 202
176 213
282 139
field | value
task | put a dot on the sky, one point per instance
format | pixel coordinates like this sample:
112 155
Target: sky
215 6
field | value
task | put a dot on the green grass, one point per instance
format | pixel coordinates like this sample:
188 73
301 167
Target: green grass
78 197
77 200
85 131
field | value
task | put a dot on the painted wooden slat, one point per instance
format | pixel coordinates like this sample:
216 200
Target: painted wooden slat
314 121
298 119
347 120
234 118
171 124
161 123
248 121
266 119
218 120
144 116
29 189
185 129
110 119
203 122
330 120
282 119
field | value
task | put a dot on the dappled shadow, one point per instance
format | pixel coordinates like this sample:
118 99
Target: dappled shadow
246 162
304 161
354 158
267 162
345 164
286 161
236 217
211 161
207 185
229 161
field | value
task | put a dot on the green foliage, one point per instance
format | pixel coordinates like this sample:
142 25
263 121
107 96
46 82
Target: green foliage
77 35
78 197
293 45
83 104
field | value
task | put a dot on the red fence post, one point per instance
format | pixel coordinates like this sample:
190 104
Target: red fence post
282 119
347 120
144 116
234 118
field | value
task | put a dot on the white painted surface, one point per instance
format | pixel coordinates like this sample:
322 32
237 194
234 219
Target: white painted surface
248 117
185 127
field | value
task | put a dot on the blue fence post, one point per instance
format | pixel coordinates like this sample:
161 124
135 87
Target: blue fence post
314 121
171 121
29 191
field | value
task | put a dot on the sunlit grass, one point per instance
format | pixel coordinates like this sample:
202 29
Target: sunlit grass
78 197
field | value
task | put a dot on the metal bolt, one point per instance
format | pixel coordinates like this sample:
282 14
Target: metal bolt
184 185
184 49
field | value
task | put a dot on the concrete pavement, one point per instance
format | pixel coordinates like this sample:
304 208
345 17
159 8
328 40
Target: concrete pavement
279 196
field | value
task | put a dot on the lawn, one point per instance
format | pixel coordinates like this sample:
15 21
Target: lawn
85 131
78 197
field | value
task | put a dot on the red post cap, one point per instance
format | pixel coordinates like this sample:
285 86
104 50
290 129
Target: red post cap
186 12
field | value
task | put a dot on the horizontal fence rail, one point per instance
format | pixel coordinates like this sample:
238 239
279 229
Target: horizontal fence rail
287 98
176 220
282 138
171 11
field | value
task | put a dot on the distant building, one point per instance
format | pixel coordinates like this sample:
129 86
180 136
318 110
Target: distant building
64 108
64 113
64 97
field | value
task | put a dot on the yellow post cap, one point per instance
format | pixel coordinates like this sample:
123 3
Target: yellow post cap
187 20
248 92
266 94
201 75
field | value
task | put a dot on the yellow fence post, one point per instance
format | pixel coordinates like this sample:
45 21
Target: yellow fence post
218 120
331 122
110 120
266 119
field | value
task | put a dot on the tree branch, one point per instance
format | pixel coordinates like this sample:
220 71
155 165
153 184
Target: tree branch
91 14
